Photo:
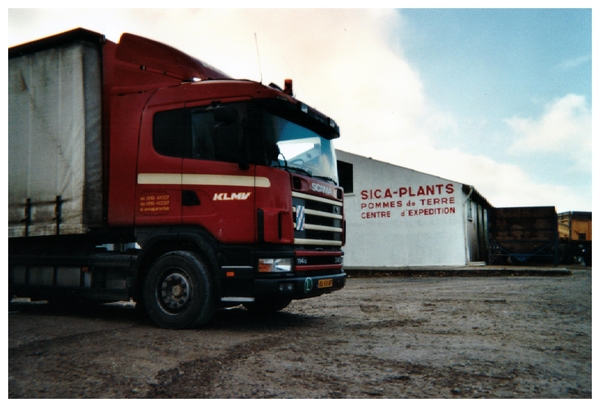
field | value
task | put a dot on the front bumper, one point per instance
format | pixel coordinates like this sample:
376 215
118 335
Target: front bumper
299 287
280 287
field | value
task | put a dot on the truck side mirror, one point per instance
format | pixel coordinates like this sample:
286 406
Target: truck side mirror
272 151
225 114
229 136
227 142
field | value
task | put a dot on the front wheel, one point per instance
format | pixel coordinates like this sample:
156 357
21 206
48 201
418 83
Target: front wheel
179 291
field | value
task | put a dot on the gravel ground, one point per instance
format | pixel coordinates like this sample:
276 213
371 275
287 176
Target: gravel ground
380 337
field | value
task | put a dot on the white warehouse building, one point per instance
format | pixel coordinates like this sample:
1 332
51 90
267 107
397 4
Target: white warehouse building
400 218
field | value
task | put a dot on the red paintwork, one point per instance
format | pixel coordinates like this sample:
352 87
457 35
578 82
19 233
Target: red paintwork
132 95
313 267
276 202
306 187
162 58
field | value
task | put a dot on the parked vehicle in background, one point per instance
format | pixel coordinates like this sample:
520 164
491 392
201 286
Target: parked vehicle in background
575 236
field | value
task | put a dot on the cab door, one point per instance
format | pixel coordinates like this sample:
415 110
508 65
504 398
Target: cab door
219 196
163 144
218 190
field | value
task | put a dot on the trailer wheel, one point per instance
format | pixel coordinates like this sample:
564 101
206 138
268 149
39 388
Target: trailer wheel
267 306
178 291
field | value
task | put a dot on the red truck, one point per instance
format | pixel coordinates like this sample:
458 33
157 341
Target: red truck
139 172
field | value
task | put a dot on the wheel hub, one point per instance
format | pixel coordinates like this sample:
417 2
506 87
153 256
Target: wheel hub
175 292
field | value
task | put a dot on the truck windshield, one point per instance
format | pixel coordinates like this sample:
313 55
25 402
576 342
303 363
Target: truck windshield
299 149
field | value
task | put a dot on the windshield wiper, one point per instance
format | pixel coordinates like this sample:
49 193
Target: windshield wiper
292 168
328 179
298 169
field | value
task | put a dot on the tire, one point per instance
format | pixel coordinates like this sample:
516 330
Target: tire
179 291
267 306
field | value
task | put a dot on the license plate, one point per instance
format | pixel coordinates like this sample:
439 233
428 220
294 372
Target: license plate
325 283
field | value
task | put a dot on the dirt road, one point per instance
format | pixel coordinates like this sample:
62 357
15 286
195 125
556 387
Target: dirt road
395 337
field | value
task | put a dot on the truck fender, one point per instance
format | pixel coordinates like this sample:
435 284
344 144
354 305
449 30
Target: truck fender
155 242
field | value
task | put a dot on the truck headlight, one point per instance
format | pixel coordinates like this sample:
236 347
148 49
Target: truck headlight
274 265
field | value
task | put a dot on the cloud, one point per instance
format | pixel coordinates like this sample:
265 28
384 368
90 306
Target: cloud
574 62
502 184
349 64
564 128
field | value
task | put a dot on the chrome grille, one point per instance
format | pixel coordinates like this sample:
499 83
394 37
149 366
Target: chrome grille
317 220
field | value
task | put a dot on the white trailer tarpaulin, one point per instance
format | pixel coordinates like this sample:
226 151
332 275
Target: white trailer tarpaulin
55 151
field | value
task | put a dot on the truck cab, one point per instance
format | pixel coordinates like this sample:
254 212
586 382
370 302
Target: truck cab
215 192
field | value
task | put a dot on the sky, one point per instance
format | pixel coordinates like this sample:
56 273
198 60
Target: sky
500 99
